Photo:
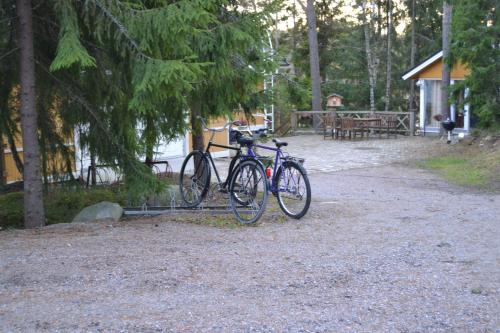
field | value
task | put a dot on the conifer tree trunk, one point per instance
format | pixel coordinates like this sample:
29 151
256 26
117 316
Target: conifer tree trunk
34 215
412 57
93 171
370 58
314 56
294 31
447 10
2 162
313 53
150 140
389 56
196 128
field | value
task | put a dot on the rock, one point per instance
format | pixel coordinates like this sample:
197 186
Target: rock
468 140
100 211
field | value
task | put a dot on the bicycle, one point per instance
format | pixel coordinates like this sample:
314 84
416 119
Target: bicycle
287 180
249 191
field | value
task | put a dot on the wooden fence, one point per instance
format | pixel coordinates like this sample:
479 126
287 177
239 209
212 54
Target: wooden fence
312 121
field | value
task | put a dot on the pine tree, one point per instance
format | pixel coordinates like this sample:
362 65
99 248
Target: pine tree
476 42
236 49
446 71
113 66
312 34
388 90
34 215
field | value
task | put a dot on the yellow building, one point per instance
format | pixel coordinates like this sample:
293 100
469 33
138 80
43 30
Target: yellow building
428 75
173 152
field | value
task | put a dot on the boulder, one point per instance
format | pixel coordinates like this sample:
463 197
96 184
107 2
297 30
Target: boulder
100 211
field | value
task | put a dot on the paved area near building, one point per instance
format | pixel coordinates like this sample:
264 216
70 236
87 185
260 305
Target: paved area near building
334 155
385 247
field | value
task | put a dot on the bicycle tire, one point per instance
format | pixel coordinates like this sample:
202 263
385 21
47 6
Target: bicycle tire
194 187
292 185
248 192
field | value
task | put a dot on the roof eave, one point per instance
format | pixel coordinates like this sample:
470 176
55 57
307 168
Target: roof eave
414 71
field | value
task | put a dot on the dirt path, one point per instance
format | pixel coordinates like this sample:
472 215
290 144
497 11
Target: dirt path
377 252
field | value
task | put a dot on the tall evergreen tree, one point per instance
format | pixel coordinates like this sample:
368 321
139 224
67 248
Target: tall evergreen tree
117 66
388 90
34 215
312 34
476 43
237 51
446 71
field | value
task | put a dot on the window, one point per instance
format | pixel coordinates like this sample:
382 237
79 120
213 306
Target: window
432 102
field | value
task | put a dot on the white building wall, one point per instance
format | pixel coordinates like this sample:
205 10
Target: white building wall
421 83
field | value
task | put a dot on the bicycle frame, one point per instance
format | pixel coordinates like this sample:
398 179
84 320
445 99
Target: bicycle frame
231 164
278 163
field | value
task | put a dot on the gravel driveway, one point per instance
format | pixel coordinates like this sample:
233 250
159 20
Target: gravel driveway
378 251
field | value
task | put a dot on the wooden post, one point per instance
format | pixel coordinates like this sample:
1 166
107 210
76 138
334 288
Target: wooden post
293 120
412 123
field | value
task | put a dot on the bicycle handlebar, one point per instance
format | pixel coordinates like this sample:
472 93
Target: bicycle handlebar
204 124
230 124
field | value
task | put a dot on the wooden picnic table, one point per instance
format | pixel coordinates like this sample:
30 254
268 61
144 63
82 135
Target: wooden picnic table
367 124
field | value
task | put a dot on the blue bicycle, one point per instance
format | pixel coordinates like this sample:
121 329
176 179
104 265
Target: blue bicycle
286 179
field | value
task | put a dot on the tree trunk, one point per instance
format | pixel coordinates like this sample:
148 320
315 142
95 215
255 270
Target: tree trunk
372 73
412 57
313 55
93 171
447 9
3 176
196 128
34 215
149 132
389 56
294 30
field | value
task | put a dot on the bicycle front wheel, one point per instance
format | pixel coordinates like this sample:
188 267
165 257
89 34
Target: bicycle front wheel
248 192
294 190
194 178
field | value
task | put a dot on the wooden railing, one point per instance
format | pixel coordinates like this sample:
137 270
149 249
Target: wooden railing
312 121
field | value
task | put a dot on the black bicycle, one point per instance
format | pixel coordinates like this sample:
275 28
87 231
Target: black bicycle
246 176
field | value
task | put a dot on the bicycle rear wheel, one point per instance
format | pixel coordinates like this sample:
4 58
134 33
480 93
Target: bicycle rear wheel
194 178
294 190
248 192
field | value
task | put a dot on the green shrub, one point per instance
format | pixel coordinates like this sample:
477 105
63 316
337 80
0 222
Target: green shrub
11 210
61 205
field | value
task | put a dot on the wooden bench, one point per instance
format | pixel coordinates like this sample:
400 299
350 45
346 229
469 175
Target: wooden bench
386 124
349 127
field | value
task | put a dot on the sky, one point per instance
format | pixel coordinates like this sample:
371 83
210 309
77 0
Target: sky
349 9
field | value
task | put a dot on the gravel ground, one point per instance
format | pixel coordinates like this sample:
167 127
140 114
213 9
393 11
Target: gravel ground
377 252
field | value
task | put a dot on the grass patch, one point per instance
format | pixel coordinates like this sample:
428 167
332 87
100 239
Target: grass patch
61 205
470 168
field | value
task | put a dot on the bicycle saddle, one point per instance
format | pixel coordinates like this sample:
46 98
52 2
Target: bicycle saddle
280 143
245 140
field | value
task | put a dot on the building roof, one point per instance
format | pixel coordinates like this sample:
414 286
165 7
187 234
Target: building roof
426 63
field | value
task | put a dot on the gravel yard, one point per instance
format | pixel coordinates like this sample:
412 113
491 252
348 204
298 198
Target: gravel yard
384 247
